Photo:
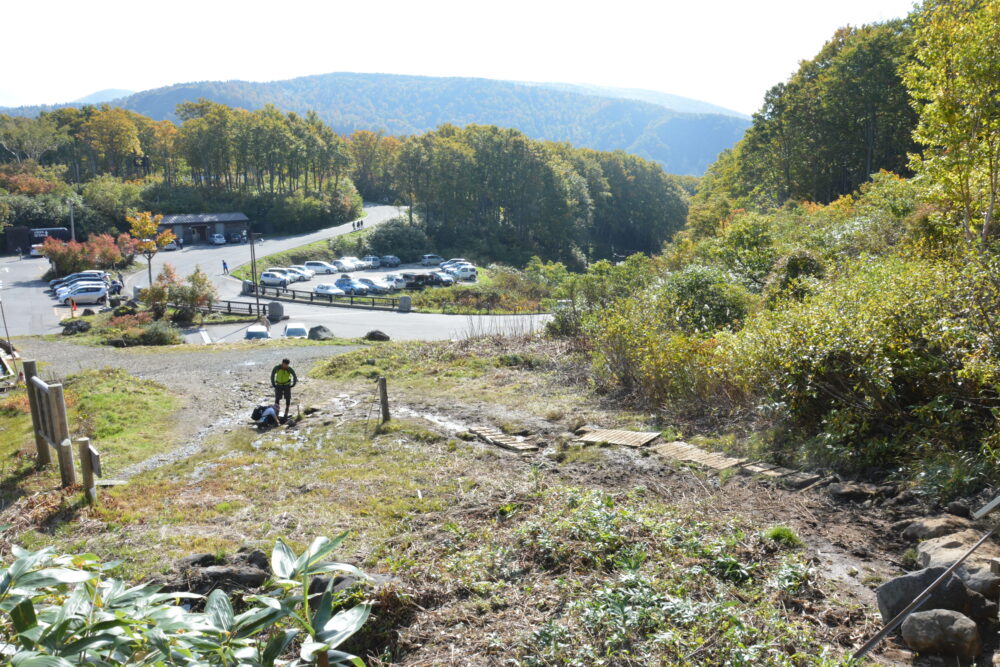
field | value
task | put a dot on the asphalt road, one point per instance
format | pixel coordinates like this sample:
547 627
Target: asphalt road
29 310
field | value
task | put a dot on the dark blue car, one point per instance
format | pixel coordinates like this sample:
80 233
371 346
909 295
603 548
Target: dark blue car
351 286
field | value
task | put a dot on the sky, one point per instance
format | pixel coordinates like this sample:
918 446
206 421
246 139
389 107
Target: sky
727 52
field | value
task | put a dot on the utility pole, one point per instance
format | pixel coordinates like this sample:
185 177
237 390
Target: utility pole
72 224
253 264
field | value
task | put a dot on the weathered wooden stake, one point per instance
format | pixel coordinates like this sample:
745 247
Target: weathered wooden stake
60 422
30 371
383 395
87 468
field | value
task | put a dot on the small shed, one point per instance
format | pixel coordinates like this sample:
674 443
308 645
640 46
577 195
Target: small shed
199 227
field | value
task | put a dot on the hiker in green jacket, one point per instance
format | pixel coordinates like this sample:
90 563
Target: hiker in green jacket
283 378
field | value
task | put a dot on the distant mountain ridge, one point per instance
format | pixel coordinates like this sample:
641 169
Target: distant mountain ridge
673 102
684 143
105 95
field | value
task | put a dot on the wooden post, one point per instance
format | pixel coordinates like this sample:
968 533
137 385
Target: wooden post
383 396
87 468
30 371
60 423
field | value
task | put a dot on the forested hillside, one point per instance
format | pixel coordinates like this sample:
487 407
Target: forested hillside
488 192
684 143
832 301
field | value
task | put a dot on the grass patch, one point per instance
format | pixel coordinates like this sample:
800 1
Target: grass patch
325 250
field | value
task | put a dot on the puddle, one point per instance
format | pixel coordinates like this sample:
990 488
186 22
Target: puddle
446 423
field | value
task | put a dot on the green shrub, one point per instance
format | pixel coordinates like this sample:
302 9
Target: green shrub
398 237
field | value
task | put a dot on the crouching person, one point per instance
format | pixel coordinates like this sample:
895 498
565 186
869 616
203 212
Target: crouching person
268 416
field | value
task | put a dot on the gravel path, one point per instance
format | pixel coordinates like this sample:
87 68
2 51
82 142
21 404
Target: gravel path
218 388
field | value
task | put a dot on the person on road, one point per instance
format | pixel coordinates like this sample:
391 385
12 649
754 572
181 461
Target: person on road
121 278
225 267
19 255
283 378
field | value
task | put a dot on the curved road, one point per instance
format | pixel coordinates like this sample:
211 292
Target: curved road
31 311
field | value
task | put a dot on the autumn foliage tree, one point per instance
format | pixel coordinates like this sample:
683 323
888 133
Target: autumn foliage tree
143 226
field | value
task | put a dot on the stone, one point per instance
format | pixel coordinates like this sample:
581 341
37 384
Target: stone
375 334
975 571
75 326
979 609
320 332
959 509
894 595
341 582
931 527
252 557
852 491
196 560
87 312
227 577
942 631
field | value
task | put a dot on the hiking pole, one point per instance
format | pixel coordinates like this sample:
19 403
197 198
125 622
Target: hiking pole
920 599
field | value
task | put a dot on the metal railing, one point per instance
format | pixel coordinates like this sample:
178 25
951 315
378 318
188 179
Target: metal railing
376 302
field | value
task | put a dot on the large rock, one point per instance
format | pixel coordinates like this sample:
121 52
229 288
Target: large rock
895 594
196 560
975 571
942 631
320 332
227 577
75 327
931 527
375 334
252 557
852 491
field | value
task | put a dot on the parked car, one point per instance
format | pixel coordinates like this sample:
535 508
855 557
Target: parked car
87 294
394 280
217 239
273 279
289 275
321 267
170 246
67 289
375 286
453 261
413 281
349 263
328 289
237 237
79 279
256 331
389 260
351 286
444 278
299 274
342 266
296 330
78 274
431 260
373 260
464 272
304 269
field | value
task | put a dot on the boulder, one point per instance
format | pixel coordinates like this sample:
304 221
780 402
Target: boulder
975 571
895 594
375 334
75 326
852 491
958 509
196 560
942 631
87 312
320 332
226 577
931 527
252 557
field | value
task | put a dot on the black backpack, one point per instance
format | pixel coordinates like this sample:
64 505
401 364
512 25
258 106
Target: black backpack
257 412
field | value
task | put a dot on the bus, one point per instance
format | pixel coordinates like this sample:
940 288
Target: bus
39 234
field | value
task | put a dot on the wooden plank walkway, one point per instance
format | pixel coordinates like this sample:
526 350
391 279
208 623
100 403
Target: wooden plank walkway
614 437
495 437
682 451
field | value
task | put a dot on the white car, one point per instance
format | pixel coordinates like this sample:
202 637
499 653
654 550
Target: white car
87 294
170 246
353 262
257 332
431 260
454 261
287 273
217 239
328 289
464 272
373 261
299 274
273 279
296 330
69 289
59 282
321 267
395 280
304 269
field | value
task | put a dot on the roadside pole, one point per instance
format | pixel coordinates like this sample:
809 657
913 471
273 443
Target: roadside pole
6 333
253 265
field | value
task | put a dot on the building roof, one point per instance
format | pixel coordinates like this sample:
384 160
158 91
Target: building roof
202 218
